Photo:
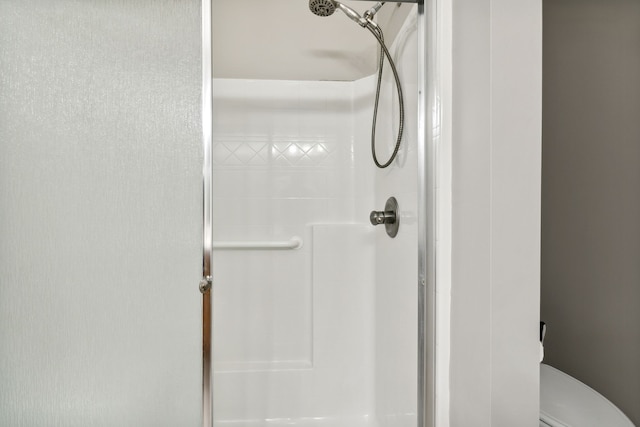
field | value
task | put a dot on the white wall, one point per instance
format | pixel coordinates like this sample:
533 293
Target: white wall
495 116
291 43
292 329
397 259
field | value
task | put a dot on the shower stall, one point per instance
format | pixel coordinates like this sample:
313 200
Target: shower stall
288 306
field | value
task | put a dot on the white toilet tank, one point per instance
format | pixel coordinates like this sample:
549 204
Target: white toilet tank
566 402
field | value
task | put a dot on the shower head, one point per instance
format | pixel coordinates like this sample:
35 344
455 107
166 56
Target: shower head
322 7
327 7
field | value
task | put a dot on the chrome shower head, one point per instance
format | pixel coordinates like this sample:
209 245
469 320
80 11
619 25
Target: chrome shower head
322 7
327 7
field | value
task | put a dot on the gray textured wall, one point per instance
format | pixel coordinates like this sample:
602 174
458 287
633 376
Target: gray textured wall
591 194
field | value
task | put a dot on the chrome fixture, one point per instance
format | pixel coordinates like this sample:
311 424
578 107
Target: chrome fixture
206 284
322 7
389 217
327 8
371 12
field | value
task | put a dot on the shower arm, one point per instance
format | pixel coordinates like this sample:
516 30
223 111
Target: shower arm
369 14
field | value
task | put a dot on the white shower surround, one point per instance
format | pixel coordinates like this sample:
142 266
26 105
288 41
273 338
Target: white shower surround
325 334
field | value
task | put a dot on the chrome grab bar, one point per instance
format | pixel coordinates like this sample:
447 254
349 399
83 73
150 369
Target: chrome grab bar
294 243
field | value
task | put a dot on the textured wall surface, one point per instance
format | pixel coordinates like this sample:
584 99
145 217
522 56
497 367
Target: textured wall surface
591 202
100 229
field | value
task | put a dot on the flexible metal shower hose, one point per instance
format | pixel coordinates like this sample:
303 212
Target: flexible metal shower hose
377 32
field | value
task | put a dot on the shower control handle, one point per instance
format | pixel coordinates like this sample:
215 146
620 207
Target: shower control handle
382 217
389 217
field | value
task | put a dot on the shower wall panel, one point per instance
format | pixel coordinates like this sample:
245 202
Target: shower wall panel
396 272
100 226
293 328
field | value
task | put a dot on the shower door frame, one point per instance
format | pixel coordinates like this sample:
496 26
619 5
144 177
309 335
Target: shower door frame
206 283
428 122
428 138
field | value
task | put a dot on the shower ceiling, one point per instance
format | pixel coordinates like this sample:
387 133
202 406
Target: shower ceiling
283 40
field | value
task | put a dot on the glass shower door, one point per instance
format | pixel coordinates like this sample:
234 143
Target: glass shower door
100 218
